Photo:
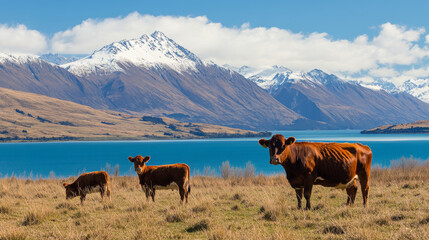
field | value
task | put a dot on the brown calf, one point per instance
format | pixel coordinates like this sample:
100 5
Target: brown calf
327 164
88 183
174 176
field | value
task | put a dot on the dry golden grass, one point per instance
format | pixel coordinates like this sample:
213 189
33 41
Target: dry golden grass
259 207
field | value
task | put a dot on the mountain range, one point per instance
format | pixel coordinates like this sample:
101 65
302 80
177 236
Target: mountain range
326 98
153 75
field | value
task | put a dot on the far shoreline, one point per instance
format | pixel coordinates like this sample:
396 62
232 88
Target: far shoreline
115 139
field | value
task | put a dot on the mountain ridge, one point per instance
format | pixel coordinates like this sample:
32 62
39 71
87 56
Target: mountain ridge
195 90
324 97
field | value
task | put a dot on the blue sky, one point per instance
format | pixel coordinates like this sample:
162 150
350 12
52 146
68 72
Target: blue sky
340 18
380 39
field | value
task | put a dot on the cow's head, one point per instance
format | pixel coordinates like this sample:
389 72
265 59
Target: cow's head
279 147
139 163
71 190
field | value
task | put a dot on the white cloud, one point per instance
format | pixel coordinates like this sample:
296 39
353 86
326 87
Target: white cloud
365 57
257 47
383 72
19 39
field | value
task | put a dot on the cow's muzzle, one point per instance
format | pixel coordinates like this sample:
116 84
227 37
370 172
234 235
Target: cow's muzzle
274 160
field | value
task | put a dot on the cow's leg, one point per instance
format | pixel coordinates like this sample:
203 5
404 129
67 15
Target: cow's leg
108 193
186 195
299 192
102 192
364 184
146 191
152 194
308 186
82 198
182 194
351 194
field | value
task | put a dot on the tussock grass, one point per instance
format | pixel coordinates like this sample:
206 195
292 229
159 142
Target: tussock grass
240 207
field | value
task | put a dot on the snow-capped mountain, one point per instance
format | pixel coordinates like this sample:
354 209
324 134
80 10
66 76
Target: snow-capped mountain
324 97
18 58
419 88
155 50
58 59
155 75
272 78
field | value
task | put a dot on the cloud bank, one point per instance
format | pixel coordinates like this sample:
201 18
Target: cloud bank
393 47
19 39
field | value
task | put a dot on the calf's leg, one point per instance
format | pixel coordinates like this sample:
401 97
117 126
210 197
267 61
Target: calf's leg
146 191
103 190
182 194
108 193
152 194
82 198
186 195
299 192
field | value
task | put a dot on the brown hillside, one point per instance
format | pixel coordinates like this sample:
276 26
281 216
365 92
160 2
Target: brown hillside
421 126
28 116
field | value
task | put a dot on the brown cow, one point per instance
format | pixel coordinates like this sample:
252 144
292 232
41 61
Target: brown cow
327 164
174 176
88 183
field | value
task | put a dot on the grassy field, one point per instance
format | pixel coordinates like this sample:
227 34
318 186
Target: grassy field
251 207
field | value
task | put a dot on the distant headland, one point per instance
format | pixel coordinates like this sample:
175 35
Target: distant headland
421 126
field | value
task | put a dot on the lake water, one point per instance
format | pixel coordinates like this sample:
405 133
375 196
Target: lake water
72 158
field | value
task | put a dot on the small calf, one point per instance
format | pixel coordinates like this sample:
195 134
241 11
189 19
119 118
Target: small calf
89 183
174 176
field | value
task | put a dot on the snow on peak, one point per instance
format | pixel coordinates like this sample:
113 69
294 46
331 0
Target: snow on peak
155 50
18 58
58 59
419 88
273 77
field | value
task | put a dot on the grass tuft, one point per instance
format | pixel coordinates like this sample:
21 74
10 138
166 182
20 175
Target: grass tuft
32 218
175 217
199 226
65 205
236 197
382 222
235 208
333 230
271 215
398 217
5 210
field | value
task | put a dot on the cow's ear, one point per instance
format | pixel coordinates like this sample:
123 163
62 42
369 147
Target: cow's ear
147 158
263 142
131 159
290 141
65 184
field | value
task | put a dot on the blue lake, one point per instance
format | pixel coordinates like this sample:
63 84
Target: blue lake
71 158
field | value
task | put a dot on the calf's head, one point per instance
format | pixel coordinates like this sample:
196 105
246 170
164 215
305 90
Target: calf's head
279 147
71 190
139 163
